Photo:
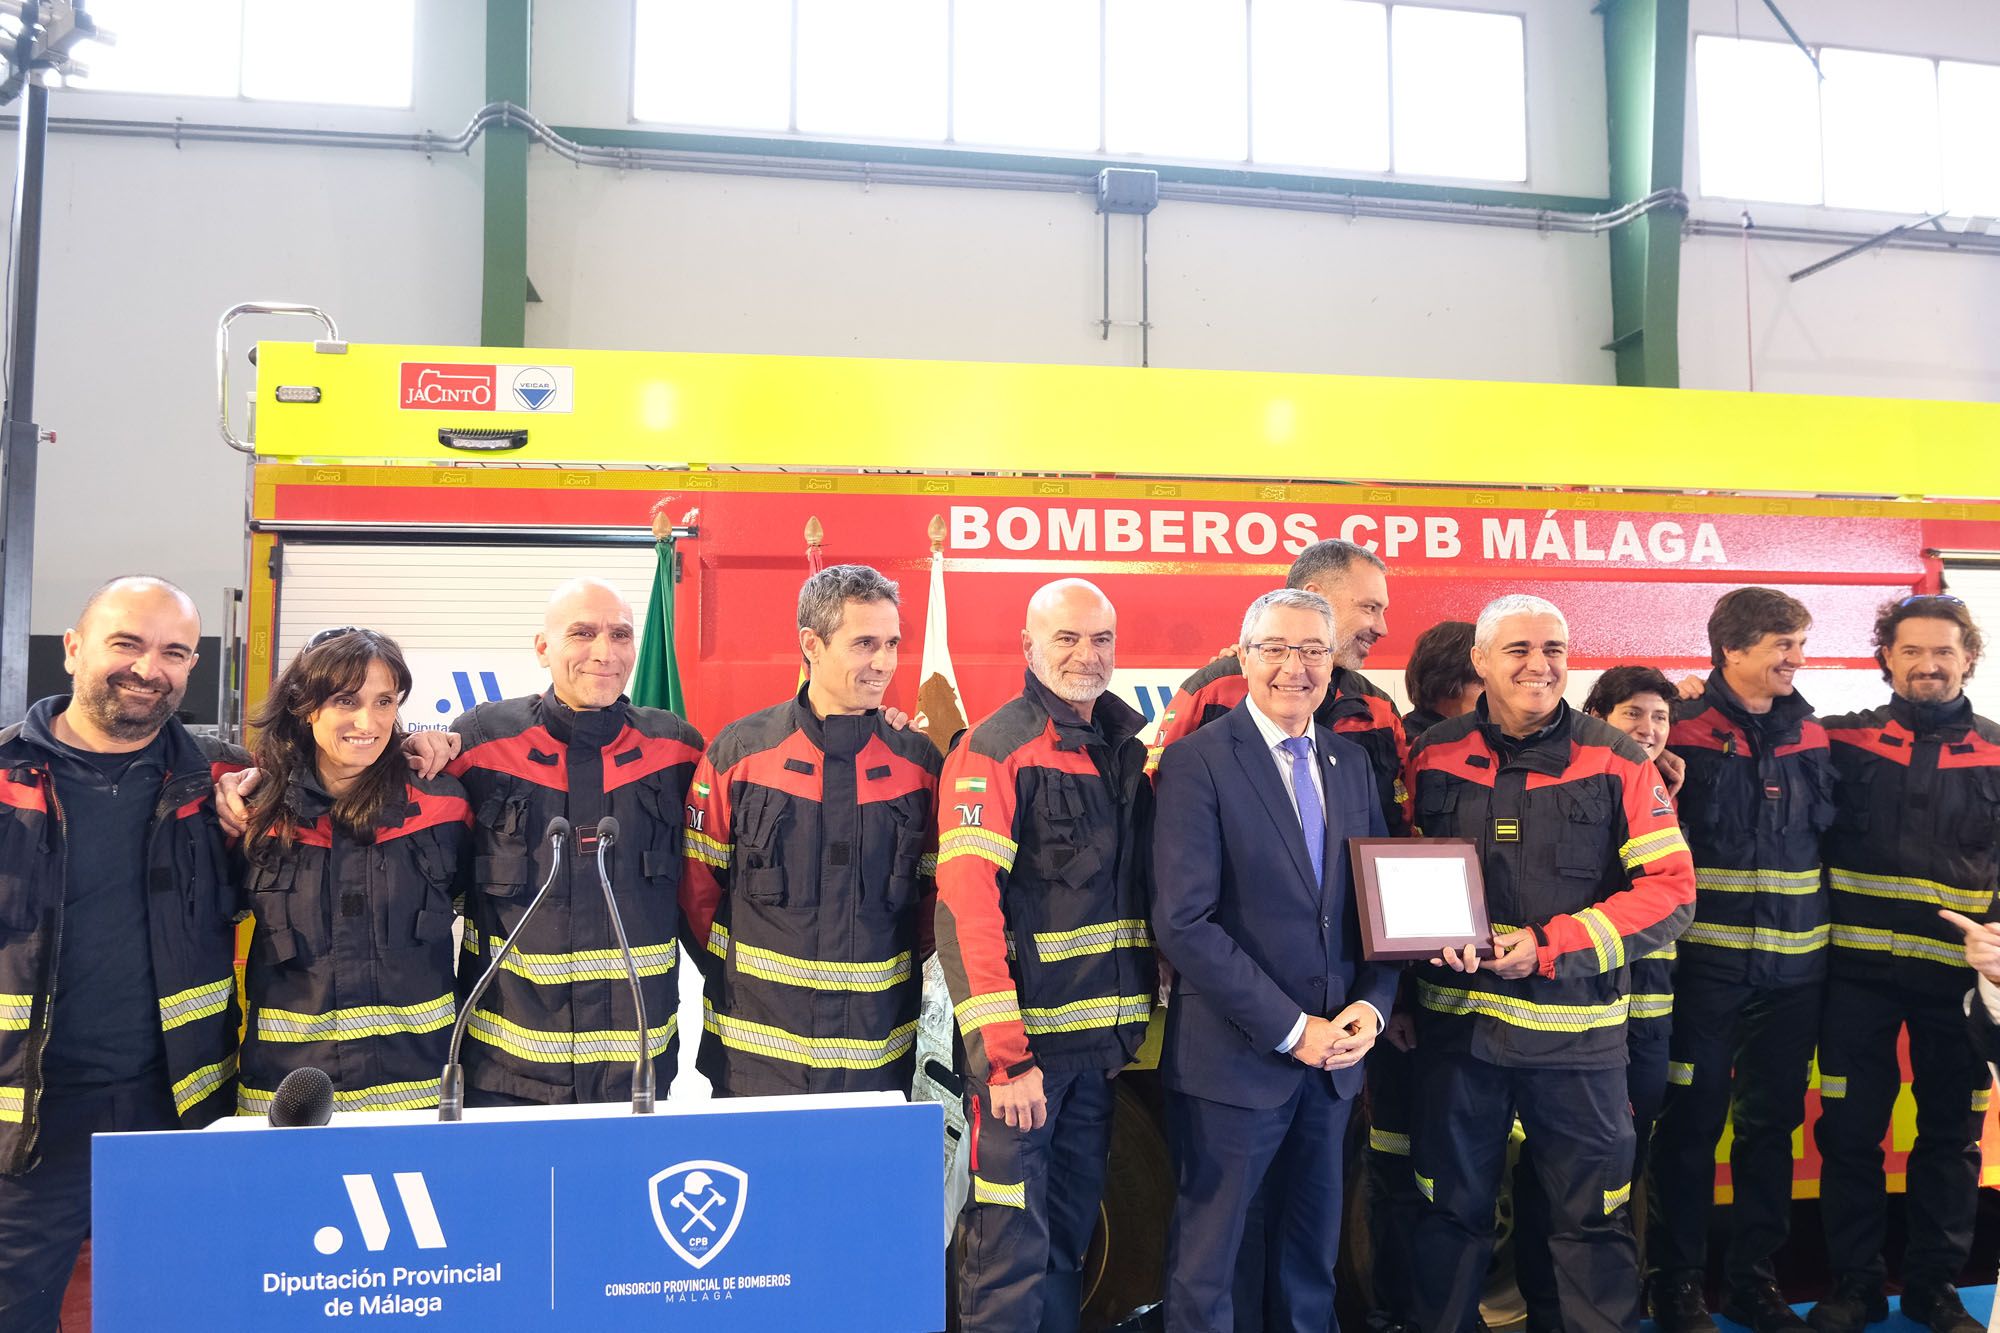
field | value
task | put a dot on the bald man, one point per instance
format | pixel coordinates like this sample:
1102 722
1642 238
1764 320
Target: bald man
117 994
557 1024
1045 814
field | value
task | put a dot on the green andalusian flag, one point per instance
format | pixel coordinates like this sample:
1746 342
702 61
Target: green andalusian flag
656 683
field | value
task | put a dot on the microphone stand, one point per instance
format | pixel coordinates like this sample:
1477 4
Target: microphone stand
451 1083
642 1068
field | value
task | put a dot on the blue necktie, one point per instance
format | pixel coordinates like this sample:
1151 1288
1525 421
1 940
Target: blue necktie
1312 818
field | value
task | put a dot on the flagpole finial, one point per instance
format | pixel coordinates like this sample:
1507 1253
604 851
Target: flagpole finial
663 526
815 534
937 533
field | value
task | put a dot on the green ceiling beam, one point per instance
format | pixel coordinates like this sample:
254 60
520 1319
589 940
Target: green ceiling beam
1645 85
503 299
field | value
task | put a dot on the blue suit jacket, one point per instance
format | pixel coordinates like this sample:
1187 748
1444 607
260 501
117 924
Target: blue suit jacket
1253 939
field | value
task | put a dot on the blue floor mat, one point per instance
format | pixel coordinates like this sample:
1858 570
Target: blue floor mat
1978 1303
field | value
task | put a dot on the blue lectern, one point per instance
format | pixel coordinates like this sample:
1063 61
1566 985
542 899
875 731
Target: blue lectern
765 1213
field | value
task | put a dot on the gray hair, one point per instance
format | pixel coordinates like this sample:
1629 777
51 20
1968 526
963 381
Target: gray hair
1328 559
1513 604
824 597
1296 599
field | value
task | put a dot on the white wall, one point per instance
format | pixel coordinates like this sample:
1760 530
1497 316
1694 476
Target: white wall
1888 323
714 263
146 244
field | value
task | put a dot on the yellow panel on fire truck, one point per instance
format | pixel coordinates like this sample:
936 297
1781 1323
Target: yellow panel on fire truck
391 403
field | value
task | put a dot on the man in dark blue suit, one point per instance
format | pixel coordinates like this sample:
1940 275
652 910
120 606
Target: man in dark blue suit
1273 1007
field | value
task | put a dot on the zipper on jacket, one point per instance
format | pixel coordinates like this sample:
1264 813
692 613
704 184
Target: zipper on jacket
32 1119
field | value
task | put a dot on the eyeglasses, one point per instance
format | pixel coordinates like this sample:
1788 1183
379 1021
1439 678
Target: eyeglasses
1944 597
325 634
1273 653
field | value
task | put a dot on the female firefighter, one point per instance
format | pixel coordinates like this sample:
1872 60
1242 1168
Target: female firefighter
349 863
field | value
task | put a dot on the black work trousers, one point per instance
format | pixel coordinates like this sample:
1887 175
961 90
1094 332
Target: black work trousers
1465 1113
1860 1078
45 1212
1393 1201
1534 1271
1743 1054
1031 1207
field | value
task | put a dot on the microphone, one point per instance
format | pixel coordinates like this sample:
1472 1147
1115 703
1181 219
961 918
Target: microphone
642 1068
304 1097
451 1083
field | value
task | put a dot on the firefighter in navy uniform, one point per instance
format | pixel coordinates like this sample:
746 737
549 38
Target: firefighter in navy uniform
557 1025
1355 581
1918 831
351 864
117 989
1585 868
1636 700
1041 928
811 864
1749 978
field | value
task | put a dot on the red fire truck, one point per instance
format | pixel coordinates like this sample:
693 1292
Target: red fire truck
437 493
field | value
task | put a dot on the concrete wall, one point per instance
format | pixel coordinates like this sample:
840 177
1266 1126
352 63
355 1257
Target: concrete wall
1888 323
146 243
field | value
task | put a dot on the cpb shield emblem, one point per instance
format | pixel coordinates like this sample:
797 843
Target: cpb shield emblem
697 1207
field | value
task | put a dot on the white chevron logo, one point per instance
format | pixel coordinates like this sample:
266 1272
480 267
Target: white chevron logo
373 1219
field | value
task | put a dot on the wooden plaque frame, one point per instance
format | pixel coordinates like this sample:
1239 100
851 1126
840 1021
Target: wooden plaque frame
1367 855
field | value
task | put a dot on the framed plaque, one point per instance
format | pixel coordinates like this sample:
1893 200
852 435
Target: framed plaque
1418 897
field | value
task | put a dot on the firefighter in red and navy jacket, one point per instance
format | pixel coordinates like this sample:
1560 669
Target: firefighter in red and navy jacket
1918 831
351 864
1585 869
812 863
1355 581
1041 929
557 1024
1750 975
117 985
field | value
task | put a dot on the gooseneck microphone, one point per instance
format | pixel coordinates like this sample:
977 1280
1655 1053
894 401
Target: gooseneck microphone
304 1097
451 1083
642 1068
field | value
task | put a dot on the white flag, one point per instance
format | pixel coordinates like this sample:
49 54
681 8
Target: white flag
939 712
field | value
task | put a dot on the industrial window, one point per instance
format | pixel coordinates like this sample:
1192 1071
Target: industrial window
1354 85
337 52
1866 130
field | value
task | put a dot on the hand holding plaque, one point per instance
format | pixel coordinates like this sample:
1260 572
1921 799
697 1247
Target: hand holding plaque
1419 897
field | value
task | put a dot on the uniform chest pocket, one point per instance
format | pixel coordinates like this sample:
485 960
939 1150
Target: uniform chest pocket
1974 822
1813 810
20 907
1437 809
415 875
504 866
757 827
287 897
1583 837
1069 844
663 841
906 849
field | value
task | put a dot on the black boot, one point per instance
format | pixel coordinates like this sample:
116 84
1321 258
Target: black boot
1939 1309
1762 1309
1677 1304
1851 1308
